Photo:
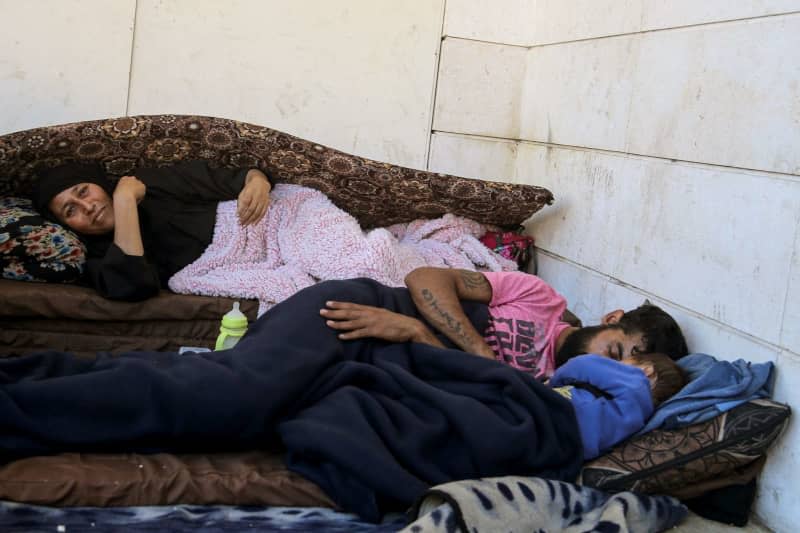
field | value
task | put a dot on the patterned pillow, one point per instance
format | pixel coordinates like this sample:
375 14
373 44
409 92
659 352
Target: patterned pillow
35 249
666 461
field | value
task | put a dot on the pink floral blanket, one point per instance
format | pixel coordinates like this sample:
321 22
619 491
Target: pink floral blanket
304 238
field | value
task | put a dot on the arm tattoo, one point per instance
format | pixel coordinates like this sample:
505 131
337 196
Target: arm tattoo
474 280
453 325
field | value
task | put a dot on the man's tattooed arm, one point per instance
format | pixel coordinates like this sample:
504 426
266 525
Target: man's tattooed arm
437 293
473 286
445 322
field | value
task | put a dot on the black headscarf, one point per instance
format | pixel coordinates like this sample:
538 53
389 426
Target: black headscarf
55 180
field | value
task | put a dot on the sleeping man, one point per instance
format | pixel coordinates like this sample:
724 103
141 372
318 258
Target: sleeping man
613 397
372 420
526 329
614 390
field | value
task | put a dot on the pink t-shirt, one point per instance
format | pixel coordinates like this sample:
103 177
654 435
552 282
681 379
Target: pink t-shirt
525 321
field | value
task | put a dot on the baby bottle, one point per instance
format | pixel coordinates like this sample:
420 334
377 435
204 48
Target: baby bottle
234 325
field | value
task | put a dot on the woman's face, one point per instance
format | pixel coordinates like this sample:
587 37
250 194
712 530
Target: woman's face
86 207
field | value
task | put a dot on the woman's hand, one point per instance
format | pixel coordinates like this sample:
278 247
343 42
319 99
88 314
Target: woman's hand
130 188
253 201
358 321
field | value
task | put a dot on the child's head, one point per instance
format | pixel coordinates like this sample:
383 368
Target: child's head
666 377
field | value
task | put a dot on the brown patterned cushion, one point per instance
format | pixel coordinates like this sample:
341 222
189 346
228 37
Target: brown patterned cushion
377 194
667 461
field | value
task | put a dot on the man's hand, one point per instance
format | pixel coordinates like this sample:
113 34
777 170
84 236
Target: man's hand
357 321
253 201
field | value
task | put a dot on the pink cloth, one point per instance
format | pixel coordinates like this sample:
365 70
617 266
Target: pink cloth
305 238
525 322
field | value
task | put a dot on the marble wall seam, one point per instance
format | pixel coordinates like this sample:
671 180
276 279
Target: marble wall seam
786 352
591 296
646 23
479 88
753 262
484 41
660 300
131 58
679 27
434 86
358 80
676 96
62 62
790 319
643 25
767 174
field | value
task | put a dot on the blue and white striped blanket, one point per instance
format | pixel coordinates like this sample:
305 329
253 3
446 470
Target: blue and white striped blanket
493 504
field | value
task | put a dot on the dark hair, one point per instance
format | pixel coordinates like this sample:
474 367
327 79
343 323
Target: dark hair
669 377
661 333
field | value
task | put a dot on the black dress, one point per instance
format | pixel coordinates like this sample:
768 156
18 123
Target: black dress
176 218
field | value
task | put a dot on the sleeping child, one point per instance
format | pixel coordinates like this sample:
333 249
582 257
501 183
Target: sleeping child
614 399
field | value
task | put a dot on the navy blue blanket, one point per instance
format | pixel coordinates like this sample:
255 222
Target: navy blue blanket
373 423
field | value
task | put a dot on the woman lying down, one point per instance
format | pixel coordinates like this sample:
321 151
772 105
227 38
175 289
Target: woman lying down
373 420
229 232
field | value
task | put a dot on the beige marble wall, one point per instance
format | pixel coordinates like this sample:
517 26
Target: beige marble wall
356 75
63 61
671 139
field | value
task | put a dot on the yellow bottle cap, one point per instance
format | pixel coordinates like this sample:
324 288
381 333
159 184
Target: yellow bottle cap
234 319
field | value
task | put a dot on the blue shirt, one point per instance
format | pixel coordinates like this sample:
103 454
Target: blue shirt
622 408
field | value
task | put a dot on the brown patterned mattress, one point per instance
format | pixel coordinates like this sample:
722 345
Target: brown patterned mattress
41 316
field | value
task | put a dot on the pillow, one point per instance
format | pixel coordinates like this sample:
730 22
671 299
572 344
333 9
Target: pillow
34 249
666 461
